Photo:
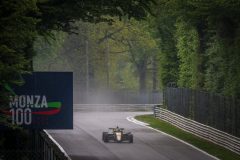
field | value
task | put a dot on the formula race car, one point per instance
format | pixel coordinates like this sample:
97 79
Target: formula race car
117 135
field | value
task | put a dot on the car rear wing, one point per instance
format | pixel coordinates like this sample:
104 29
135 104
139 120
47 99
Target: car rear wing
116 128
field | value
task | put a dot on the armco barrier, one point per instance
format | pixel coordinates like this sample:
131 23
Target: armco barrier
221 138
51 150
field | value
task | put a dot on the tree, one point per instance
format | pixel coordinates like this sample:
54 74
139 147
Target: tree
199 42
141 47
21 21
187 50
59 14
17 28
165 26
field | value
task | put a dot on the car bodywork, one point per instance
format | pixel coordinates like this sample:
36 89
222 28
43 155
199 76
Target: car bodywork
117 135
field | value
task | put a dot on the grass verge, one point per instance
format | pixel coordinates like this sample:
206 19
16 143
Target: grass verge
207 146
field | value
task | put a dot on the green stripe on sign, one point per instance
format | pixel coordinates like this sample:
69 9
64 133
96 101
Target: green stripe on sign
54 104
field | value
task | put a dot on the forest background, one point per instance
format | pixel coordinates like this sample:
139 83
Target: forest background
134 45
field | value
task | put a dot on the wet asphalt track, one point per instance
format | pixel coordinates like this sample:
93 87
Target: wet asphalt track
84 142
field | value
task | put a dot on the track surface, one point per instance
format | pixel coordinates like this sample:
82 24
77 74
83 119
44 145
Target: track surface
84 142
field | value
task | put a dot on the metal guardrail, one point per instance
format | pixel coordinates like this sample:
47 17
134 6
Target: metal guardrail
114 107
211 109
38 145
221 138
51 151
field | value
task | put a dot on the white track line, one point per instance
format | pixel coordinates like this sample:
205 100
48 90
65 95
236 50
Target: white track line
132 119
58 145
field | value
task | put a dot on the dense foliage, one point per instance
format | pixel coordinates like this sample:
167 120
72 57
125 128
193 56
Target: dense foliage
17 32
203 37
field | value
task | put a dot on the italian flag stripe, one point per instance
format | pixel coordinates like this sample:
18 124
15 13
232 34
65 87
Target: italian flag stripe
54 104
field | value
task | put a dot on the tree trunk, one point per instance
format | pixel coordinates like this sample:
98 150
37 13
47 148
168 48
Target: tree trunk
107 63
87 68
142 78
154 74
201 50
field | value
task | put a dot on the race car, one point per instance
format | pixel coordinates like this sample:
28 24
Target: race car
117 135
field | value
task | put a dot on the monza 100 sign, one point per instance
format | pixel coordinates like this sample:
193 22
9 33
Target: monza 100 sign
45 101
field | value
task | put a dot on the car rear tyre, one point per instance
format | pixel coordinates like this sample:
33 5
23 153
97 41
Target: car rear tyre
131 139
105 137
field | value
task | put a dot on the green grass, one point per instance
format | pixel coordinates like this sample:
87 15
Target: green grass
211 148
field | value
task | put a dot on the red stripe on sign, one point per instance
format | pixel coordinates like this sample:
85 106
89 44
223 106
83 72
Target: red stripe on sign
6 112
52 112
